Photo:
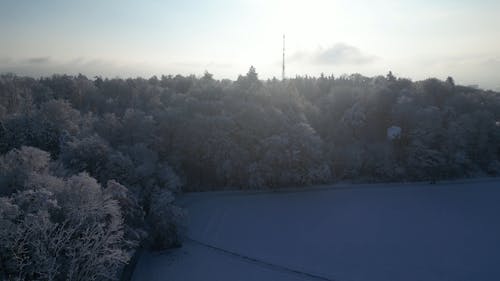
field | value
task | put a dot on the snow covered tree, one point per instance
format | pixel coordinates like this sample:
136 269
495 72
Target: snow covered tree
19 165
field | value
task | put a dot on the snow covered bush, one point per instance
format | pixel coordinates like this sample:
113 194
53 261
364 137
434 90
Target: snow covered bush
165 219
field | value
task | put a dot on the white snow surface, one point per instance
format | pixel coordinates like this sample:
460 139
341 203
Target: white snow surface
377 232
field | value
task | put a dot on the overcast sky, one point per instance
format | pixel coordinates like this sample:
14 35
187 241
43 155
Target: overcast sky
415 39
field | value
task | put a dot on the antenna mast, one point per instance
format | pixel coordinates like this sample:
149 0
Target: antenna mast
283 66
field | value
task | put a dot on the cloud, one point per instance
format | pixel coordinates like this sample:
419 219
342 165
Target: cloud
38 60
338 54
5 60
45 65
342 54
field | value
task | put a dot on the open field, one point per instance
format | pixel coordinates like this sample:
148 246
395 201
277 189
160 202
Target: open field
446 231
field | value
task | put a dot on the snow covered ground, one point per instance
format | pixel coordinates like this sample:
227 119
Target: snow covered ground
410 232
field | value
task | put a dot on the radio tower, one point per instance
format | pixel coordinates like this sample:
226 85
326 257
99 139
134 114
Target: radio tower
283 66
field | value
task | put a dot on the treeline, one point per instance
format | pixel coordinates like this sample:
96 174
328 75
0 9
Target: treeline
89 168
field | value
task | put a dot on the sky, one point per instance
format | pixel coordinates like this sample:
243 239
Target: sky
415 39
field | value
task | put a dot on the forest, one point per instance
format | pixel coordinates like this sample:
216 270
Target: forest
90 167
